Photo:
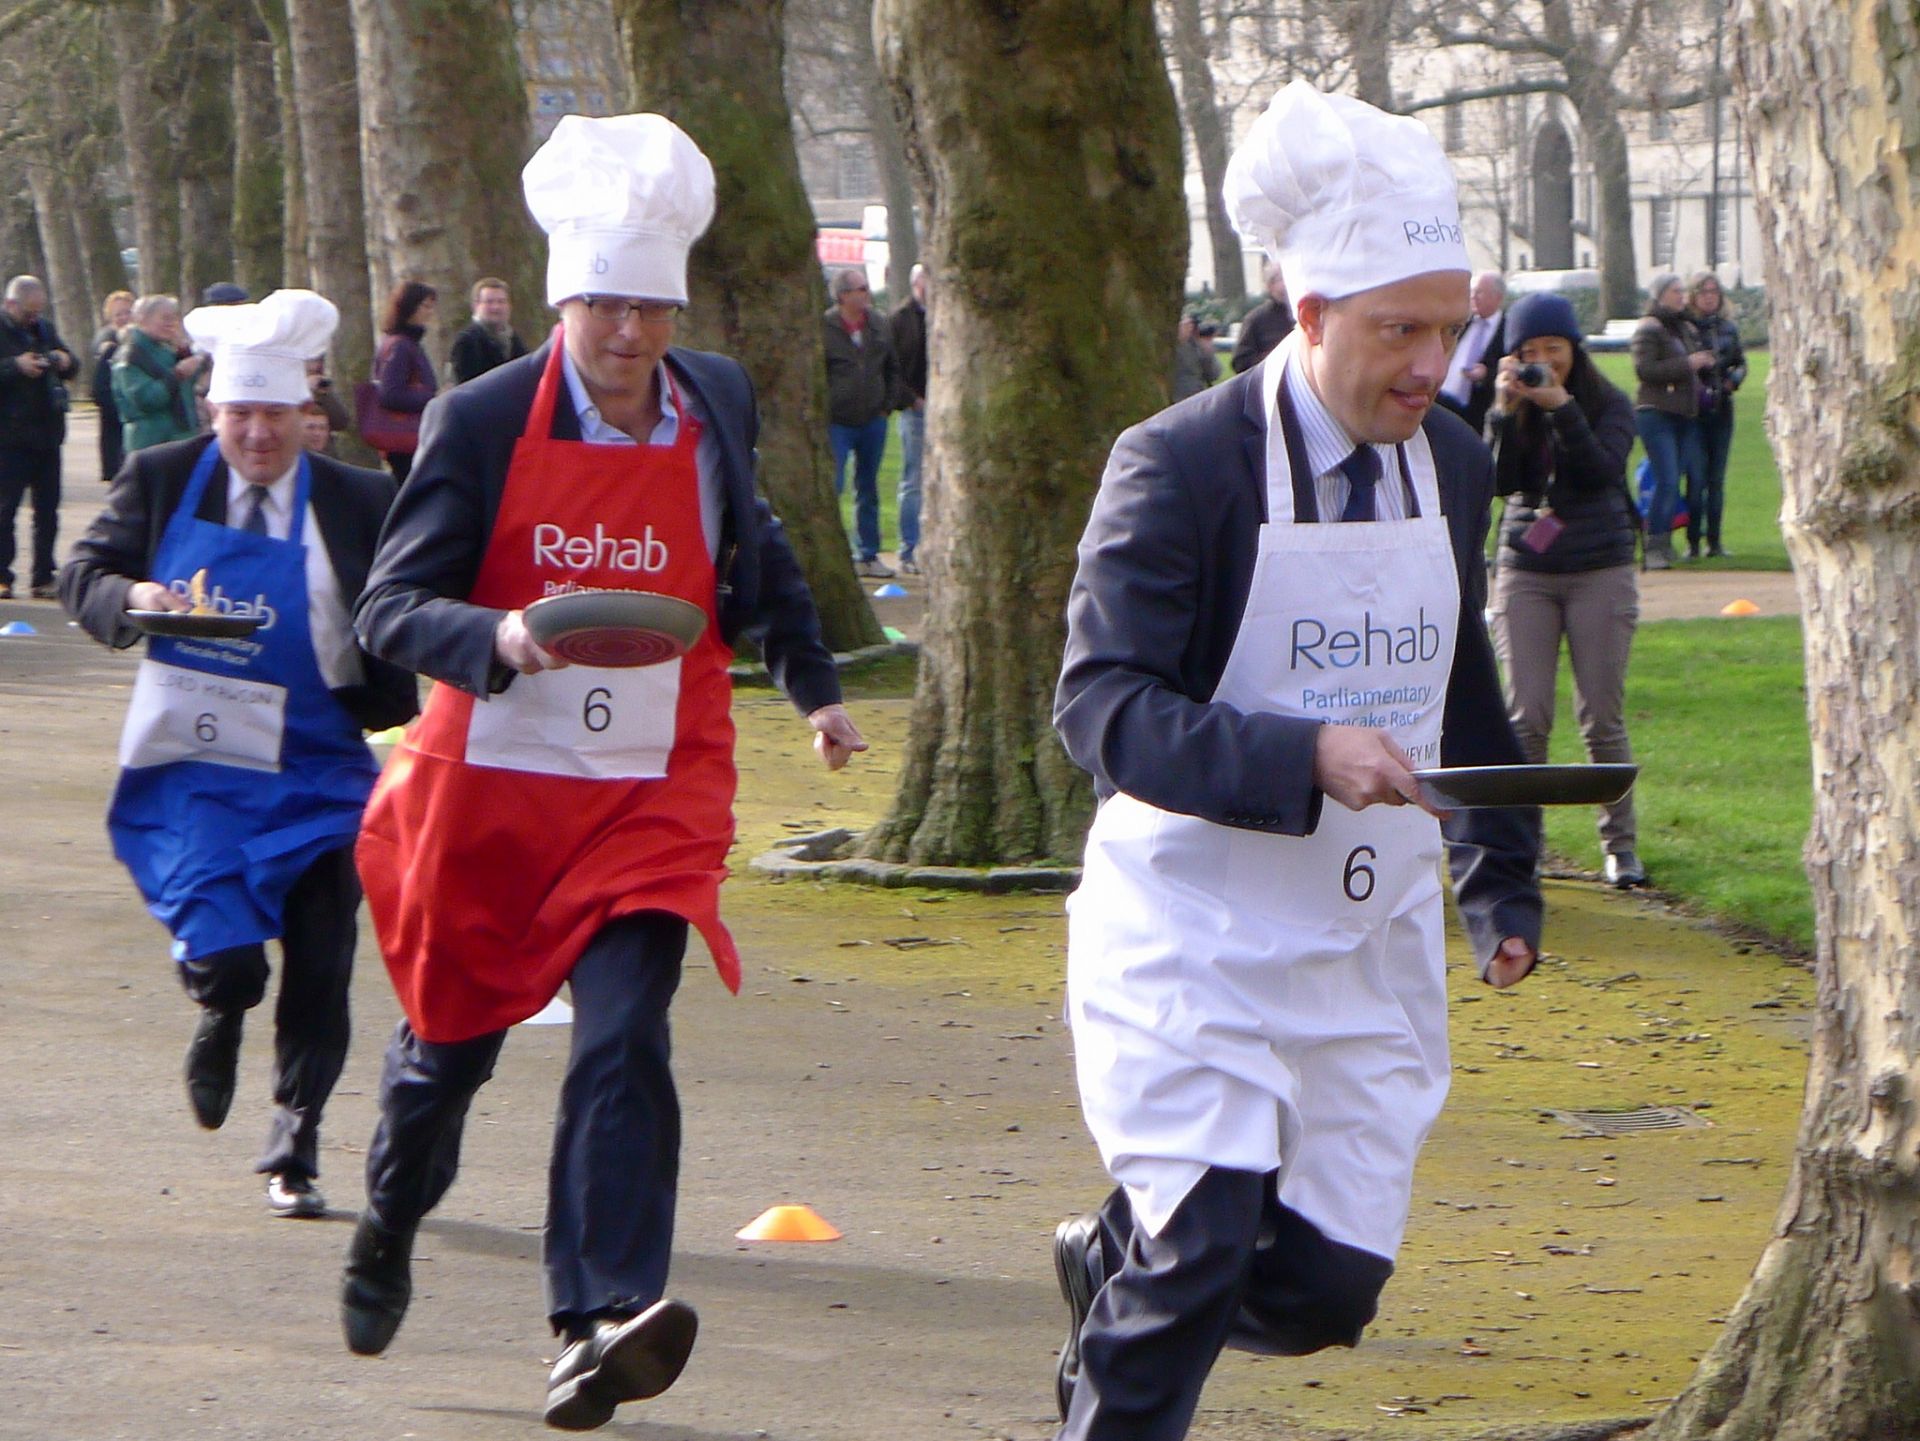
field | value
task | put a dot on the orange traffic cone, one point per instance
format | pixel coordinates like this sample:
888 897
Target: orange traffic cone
788 1223
1740 607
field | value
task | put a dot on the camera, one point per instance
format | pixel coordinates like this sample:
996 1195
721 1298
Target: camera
1533 375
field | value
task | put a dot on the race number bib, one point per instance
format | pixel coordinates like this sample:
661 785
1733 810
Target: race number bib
188 715
585 721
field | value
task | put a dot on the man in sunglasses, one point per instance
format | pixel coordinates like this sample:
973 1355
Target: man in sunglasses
548 824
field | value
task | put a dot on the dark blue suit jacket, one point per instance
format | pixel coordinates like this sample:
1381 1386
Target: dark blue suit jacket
414 611
1165 566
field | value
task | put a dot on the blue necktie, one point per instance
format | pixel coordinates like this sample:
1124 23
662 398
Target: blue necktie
255 522
1362 470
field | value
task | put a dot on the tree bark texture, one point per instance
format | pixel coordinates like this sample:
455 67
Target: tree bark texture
1825 1344
326 98
293 189
896 175
714 68
1057 242
139 71
199 111
444 132
1207 130
66 273
259 180
1367 27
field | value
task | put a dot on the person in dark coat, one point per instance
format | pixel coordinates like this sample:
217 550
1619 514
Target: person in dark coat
237 832
35 366
1468 389
489 339
908 324
862 379
1195 366
117 311
401 368
1265 326
1567 548
1720 333
1668 361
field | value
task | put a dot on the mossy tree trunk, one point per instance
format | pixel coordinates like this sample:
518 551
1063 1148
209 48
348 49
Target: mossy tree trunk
259 180
1048 150
327 106
444 131
1825 1344
66 273
139 67
199 113
293 188
714 68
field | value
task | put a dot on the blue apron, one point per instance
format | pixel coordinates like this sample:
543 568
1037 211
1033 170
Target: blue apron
238 767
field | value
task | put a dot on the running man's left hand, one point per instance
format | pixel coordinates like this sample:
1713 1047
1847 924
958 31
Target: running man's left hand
1511 963
836 737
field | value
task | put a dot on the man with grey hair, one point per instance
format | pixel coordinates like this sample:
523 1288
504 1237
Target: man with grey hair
34 364
153 377
861 372
1468 388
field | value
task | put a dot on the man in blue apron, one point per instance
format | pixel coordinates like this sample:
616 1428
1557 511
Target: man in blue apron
243 771
1255 958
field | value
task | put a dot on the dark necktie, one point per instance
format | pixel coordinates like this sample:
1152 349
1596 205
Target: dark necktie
1362 470
255 522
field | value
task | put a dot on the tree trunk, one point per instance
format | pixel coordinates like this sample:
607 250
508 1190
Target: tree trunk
199 115
1825 1345
1048 338
259 181
1367 26
1200 108
443 134
66 275
327 101
1598 106
106 272
294 270
714 67
890 150
138 61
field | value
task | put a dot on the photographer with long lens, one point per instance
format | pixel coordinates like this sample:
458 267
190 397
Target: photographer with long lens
1560 433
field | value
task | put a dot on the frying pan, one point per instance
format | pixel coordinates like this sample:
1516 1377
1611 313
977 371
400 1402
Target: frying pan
1466 787
615 628
192 625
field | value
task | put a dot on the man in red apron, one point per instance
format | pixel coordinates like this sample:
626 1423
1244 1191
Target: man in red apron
1255 953
243 771
546 825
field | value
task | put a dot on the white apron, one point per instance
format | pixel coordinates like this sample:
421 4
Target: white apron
1267 1002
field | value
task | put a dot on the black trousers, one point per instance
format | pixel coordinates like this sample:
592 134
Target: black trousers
310 1024
28 470
1232 1267
615 1172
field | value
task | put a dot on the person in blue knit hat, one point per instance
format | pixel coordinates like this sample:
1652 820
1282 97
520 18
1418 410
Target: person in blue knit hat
1560 433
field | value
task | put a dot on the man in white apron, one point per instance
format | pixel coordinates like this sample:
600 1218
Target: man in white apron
1255 960
243 768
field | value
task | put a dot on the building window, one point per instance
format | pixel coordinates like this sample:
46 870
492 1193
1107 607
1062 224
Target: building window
1724 220
856 172
1663 231
1662 124
1456 129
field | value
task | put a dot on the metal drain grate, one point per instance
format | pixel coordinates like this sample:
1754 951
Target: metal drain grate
1630 1122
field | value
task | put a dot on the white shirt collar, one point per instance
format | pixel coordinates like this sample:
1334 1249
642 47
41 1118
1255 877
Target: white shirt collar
1326 439
278 498
596 431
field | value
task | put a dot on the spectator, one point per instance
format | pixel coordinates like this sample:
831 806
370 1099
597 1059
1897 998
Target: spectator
909 328
489 339
860 382
224 292
1468 388
1195 367
322 394
153 377
117 311
1707 309
1265 326
316 428
1566 556
34 364
401 369
1668 360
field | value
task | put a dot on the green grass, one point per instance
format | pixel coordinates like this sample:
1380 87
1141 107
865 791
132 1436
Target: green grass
1717 713
1750 525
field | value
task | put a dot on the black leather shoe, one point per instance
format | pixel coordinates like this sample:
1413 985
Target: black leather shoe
1074 1265
212 1057
625 1359
376 1287
296 1196
1624 871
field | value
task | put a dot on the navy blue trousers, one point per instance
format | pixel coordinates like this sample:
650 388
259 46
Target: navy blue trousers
615 1170
1232 1267
310 1024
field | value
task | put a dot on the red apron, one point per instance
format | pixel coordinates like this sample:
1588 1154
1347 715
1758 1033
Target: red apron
505 833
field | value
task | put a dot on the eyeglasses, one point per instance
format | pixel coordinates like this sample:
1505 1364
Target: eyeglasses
615 309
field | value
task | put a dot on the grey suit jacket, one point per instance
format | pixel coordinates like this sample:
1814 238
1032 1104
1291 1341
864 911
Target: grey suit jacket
1165 567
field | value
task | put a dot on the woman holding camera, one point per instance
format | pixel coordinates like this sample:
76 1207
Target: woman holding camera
1561 433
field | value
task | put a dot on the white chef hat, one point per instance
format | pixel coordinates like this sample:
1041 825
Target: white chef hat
1342 196
260 352
622 199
